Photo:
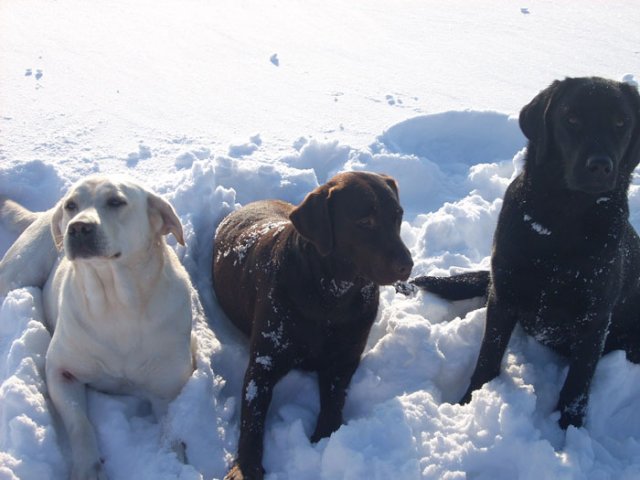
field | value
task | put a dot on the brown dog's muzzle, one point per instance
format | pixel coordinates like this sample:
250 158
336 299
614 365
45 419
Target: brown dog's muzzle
391 266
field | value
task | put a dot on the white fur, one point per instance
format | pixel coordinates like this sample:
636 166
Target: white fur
121 318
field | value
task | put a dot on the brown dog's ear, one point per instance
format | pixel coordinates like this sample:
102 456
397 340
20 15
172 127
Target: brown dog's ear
533 118
312 219
392 183
56 226
169 221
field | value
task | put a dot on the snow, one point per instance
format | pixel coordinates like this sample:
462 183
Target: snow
216 104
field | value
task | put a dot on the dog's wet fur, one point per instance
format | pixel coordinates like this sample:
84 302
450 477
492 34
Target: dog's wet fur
566 261
302 283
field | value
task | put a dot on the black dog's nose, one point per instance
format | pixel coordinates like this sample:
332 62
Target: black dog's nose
403 266
599 166
81 229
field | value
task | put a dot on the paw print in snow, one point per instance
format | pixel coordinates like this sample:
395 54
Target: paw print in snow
28 72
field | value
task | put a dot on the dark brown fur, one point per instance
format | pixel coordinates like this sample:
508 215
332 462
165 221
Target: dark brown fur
302 283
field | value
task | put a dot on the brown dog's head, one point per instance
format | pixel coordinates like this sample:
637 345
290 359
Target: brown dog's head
584 133
356 216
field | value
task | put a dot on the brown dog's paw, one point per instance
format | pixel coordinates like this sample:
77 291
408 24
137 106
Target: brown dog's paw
239 473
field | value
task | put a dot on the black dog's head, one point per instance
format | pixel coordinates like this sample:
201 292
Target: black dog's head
584 134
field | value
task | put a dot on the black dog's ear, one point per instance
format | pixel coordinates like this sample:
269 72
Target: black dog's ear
312 219
533 118
632 157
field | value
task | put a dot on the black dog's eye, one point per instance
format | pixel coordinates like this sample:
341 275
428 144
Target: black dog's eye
366 222
399 214
619 122
573 120
70 206
115 202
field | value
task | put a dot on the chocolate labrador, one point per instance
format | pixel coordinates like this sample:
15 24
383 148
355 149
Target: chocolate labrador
566 261
302 283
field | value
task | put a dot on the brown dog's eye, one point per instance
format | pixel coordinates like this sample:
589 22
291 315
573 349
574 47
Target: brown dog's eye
70 206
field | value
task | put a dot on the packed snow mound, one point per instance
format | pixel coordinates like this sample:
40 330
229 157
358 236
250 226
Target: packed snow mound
217 104
456 140
401 415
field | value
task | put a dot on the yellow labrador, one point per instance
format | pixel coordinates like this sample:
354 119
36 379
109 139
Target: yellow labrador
117 300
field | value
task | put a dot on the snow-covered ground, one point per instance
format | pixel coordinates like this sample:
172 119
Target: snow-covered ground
215 103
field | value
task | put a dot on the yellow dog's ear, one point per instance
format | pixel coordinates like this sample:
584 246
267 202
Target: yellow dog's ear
164 218
56 225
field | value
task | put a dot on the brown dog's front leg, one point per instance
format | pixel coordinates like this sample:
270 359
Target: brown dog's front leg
333 384
500 323
585 354
256 397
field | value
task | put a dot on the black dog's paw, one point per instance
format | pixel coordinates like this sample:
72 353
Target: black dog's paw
568 419
405 288
466 398
327 424
245 473
572 411
321 433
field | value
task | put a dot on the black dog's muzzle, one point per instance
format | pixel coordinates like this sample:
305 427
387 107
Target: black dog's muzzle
596 175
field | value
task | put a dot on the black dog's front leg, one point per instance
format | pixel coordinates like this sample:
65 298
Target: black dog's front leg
585 354
501 320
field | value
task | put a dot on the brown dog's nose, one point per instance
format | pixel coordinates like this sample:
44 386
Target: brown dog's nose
81 230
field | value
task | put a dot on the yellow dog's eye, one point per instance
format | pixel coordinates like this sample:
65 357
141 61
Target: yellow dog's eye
116 202
70 206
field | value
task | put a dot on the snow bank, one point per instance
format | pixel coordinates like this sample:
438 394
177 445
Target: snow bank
401 416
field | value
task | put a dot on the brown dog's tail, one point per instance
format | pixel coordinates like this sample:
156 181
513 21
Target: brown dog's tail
15 216
456 287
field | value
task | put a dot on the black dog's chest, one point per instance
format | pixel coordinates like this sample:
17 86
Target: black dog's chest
556 273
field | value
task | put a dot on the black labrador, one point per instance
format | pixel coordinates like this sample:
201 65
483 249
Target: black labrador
302 283
566 261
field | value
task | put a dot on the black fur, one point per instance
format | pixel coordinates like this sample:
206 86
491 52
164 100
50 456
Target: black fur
566 261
